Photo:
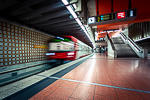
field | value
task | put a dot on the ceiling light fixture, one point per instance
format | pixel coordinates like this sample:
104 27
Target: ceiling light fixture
74 5
71 11
65 2
77 19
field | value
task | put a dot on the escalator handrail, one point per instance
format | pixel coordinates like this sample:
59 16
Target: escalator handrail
112 45
126 38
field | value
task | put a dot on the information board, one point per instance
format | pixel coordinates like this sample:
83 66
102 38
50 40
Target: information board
116 17
105 17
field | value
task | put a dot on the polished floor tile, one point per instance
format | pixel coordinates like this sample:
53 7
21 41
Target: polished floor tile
54 86
129 96
60 94
146 96
40 96
132 73
104 97
71 85
82 95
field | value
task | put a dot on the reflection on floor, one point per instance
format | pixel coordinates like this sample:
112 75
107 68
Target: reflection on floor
102 78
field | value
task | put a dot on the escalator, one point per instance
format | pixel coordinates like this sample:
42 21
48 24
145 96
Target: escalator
123 46
123 50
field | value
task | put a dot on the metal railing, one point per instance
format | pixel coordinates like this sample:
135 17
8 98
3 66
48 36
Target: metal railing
111 48
138 50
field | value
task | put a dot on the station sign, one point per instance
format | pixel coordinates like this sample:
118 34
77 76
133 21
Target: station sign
119 16
105 17
40 46
131 13
91 20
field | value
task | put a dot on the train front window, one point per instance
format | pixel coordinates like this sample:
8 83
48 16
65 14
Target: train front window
61 46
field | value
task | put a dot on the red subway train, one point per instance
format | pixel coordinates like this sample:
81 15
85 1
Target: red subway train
67 48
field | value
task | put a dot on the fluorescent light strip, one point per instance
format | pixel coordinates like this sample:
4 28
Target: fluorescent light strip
117 30
71 11
102 32
109 31
65 2
76 18
74 5
85 31
78 21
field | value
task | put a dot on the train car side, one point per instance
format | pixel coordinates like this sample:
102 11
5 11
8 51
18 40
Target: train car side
67 48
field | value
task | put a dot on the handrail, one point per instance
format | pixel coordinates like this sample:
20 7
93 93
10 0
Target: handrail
113 47
112 52
126 38
135 44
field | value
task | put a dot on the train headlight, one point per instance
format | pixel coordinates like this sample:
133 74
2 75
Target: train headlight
48 54
70 53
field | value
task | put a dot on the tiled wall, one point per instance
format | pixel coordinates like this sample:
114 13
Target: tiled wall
17 45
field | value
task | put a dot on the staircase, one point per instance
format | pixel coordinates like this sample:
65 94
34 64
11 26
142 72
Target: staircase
123 50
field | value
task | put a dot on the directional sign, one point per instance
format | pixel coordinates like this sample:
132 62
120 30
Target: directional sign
107 17
91 20
131 13
119 16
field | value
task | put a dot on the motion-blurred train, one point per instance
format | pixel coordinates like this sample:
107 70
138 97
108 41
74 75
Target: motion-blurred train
67 48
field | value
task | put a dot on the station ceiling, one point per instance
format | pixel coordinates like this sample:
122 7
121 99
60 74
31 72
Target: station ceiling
50 16
104 7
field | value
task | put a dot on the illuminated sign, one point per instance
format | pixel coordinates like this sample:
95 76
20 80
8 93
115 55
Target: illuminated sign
105 17
121 15
91 20
131 13
40 46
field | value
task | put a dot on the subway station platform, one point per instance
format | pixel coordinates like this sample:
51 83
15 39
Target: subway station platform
97 77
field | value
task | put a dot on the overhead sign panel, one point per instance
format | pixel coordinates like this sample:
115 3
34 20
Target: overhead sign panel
91 20
105 17
121 15
131 13
126 15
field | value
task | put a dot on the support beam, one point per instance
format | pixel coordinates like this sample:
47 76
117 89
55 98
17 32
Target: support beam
76 29
112 6
47 17
59 24
52 21
72 24
63 28
22 4
64 31
29 15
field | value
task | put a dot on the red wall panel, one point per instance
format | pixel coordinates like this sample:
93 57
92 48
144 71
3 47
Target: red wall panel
143 11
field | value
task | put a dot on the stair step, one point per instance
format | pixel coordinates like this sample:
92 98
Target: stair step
117 41
122 47
123 50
